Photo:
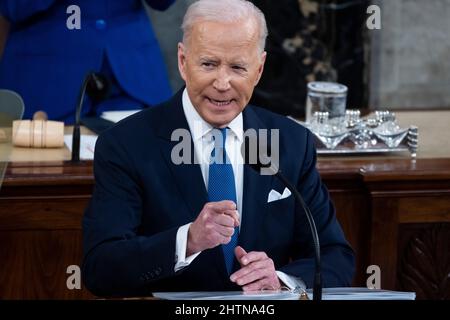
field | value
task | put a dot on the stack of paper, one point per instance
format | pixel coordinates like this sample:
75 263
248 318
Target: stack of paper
116 116
87 145
352 293
327 294
227 295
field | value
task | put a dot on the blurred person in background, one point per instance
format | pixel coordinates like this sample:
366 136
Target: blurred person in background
51 46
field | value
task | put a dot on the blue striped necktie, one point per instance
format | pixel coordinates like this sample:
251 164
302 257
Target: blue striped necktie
221 186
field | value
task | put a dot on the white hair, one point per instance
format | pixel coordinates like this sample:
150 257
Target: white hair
224 11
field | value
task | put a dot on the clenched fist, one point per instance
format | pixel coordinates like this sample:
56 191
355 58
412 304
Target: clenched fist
214 226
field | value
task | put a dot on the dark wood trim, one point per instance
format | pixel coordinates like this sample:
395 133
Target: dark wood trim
376 199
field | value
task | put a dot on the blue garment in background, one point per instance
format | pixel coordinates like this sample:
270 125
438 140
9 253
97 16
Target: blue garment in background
45 62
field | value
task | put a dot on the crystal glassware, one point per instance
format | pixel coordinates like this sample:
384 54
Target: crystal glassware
329 133
390 133
328 97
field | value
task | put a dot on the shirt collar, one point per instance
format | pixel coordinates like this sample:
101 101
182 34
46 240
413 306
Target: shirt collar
199 127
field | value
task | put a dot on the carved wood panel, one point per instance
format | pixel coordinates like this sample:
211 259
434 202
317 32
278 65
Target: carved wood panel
424 260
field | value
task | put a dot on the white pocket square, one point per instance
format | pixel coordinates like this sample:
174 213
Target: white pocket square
275 195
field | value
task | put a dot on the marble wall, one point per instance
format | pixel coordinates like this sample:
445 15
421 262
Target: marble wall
410 55
296 54
167 28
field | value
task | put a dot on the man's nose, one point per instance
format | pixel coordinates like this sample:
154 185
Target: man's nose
222 81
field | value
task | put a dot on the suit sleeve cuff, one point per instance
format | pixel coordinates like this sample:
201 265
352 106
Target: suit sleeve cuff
181 261
291 282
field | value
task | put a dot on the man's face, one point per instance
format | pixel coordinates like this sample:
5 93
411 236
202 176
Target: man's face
221 64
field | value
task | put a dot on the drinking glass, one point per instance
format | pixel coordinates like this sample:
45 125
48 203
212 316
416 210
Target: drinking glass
328 97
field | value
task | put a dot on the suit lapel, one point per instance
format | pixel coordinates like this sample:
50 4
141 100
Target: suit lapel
187 176
256 188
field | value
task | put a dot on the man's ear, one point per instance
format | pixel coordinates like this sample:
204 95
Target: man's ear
182 60
261 67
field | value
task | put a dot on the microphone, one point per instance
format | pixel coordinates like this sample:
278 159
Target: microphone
263 162
97 87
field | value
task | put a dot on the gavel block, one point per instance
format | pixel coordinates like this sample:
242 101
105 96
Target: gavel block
38 133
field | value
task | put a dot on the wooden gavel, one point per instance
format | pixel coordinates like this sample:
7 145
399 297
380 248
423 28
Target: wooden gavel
38 133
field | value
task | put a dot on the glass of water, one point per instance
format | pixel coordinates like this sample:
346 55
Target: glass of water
328 97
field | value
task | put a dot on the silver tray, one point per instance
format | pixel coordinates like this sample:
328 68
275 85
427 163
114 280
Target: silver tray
343 149
409 144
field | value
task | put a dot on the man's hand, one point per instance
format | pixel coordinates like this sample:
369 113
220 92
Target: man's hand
214 225
257 271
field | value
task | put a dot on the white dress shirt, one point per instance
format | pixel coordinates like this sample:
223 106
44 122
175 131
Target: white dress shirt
201 132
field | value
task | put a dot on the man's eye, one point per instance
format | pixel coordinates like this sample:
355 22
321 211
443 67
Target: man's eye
207 64
238 68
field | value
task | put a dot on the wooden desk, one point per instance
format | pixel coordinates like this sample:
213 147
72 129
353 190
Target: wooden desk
396 214
394 211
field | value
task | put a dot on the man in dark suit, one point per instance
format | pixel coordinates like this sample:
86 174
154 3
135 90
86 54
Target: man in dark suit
157 225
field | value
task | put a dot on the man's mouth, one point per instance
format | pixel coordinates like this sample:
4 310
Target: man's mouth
220 103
